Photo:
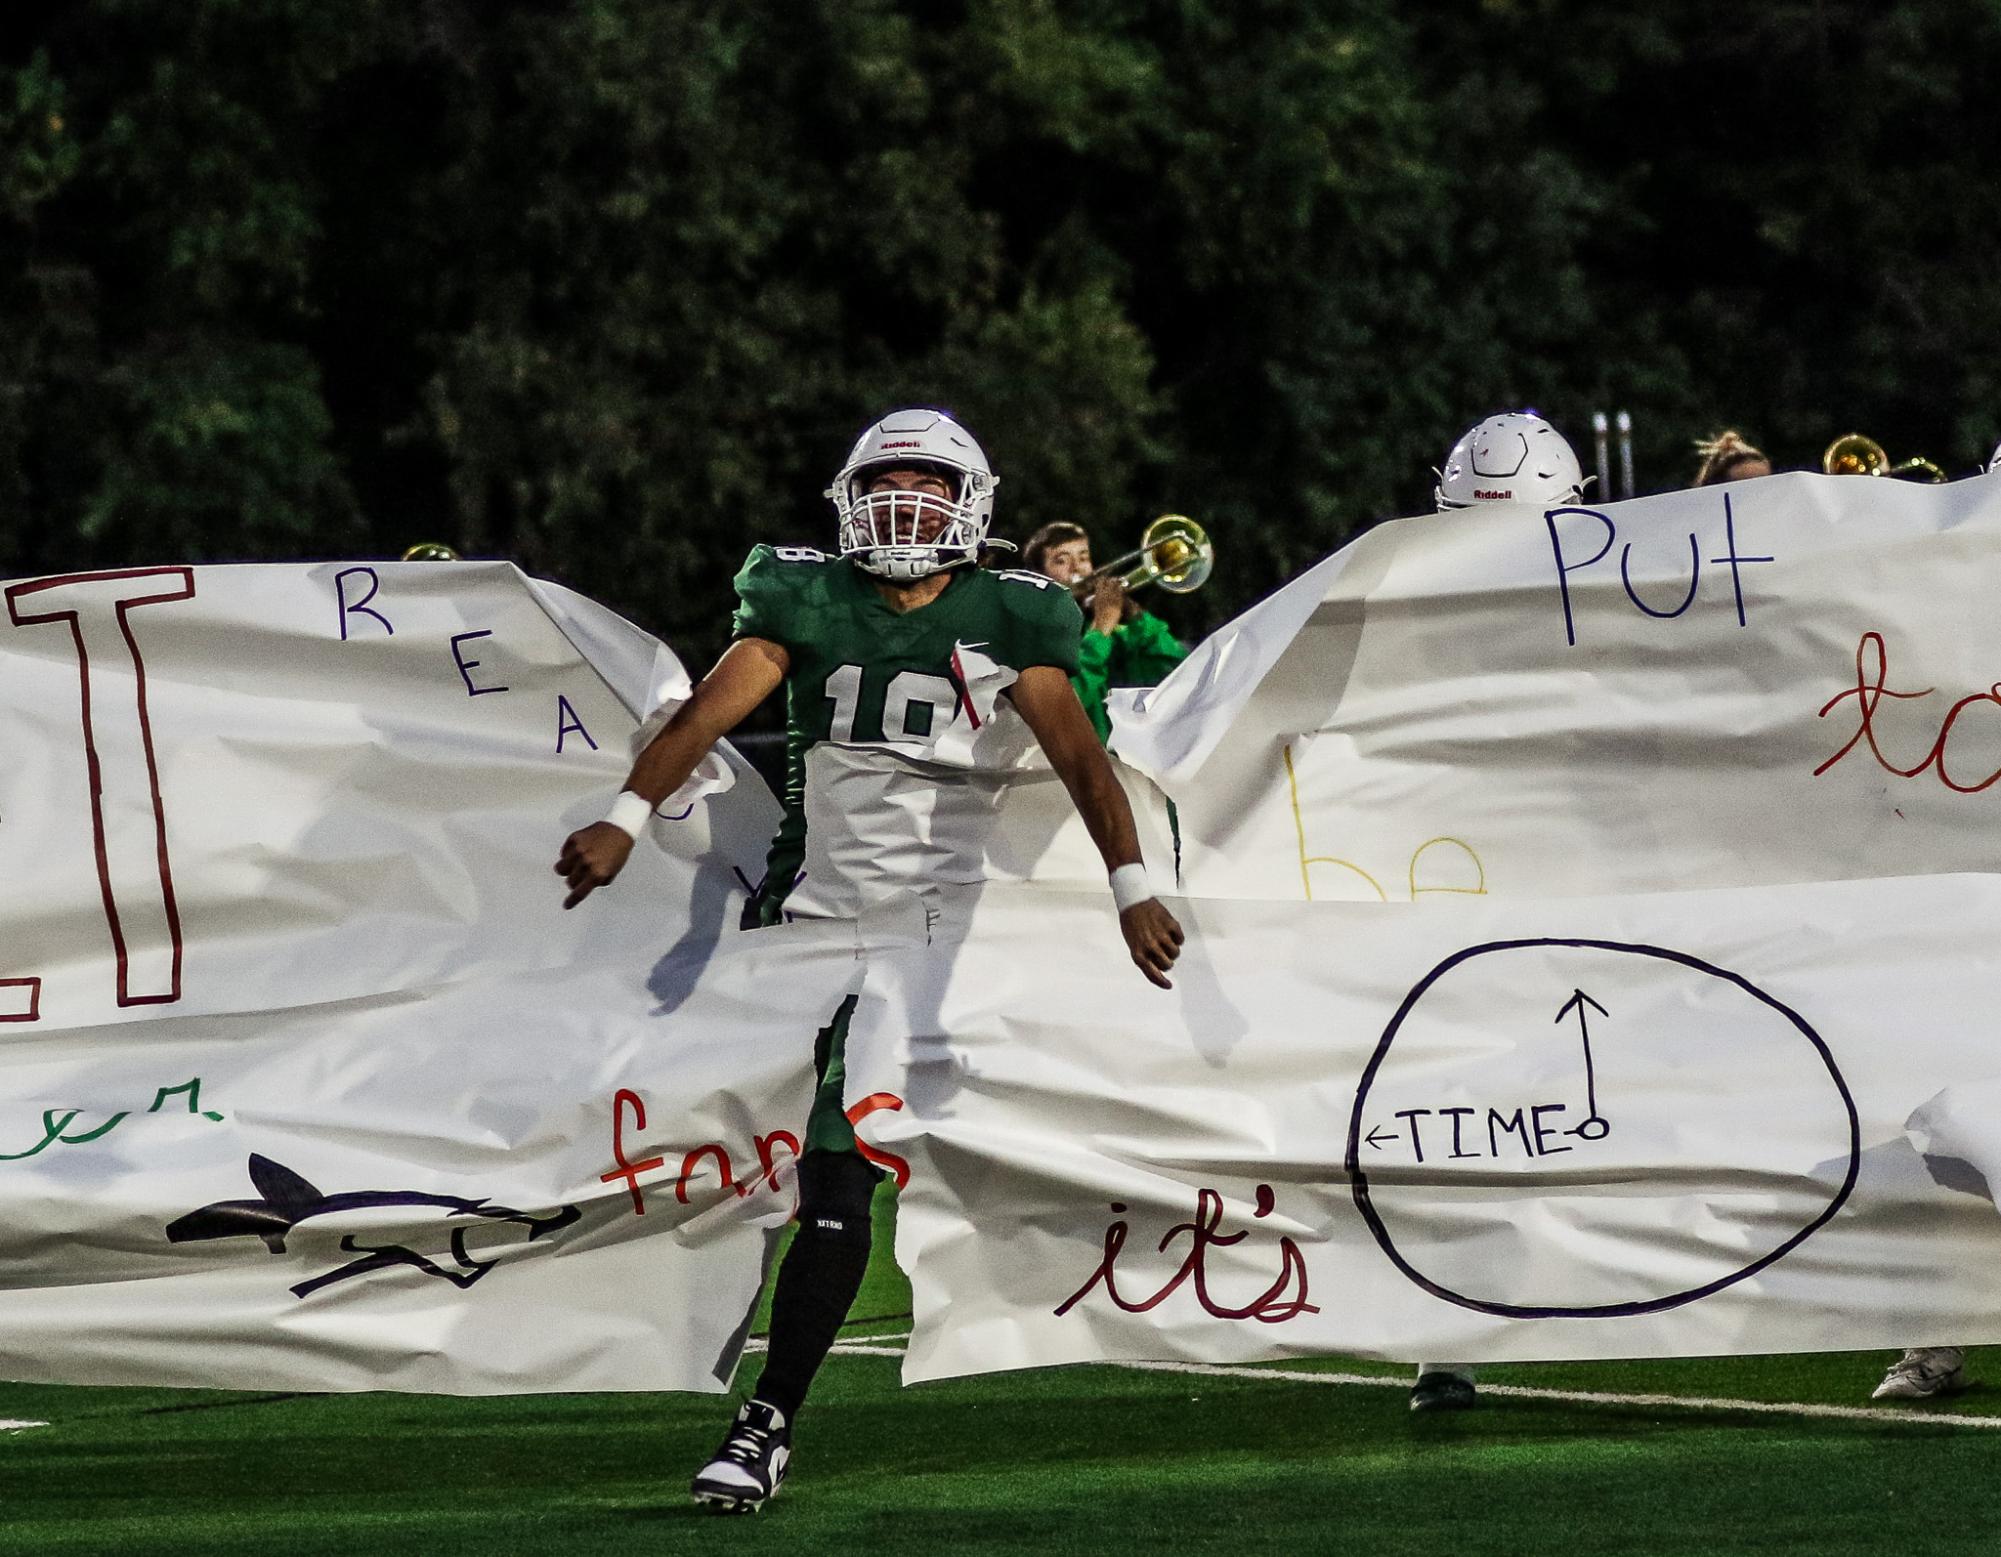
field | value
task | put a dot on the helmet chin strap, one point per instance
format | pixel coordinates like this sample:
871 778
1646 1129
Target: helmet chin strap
865 561
958 560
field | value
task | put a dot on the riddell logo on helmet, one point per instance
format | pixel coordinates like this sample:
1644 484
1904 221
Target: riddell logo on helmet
1501 492
909 444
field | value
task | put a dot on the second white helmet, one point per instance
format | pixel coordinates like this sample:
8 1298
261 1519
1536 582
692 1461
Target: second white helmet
1515 457
908 535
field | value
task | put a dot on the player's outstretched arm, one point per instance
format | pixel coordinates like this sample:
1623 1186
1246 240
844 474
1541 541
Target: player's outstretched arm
749 672
1045 699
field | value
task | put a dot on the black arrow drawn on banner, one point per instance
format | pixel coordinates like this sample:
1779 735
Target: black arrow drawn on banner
1597 1127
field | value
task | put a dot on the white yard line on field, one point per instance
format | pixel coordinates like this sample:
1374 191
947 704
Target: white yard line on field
872 1346
1593 1397
15 1427
860 1346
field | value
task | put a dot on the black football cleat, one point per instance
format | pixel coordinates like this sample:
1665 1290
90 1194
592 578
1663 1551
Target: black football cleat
750 1465
1442 1392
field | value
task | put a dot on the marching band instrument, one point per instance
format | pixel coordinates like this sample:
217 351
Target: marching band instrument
1174 552
1857 454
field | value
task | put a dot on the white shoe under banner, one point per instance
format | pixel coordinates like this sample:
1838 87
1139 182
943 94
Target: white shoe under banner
1591 919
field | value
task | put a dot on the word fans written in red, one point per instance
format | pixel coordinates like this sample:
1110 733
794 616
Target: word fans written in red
714 1156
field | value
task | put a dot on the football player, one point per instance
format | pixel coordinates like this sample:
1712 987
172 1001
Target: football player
906 665
1515 457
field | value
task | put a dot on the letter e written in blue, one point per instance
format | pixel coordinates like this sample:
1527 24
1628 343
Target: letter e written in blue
466 666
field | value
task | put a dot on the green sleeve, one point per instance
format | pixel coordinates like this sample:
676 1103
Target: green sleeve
1143 651
1045 622
764 598
1093 677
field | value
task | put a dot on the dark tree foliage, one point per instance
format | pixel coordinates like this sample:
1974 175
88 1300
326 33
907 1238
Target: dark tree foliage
607 286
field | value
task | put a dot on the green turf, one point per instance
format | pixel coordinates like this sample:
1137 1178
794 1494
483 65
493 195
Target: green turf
1098 1460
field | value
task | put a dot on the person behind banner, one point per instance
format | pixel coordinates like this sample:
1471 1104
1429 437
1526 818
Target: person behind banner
1123 645
1929 1372
897 655
1728 456
1514 457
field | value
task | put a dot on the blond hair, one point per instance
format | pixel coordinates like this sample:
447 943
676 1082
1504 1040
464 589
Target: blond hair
1722 454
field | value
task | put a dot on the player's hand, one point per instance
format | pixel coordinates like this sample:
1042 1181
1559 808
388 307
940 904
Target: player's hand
592 857
1153 936
1108 606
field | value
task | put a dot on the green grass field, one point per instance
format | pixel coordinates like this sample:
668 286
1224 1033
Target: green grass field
1098 1460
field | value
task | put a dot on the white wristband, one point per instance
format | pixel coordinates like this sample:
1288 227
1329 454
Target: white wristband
630 813
1129 886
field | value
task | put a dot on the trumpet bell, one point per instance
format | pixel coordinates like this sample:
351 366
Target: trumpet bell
1174 552
1857 454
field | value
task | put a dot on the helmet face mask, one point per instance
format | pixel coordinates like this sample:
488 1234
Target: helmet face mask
905 533
1514 457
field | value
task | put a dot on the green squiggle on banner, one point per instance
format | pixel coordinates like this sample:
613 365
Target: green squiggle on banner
53 1126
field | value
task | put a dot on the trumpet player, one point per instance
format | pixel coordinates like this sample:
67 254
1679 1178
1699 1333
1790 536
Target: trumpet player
1124 645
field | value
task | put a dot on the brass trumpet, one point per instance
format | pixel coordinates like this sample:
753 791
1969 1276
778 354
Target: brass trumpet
1857 454
1174 552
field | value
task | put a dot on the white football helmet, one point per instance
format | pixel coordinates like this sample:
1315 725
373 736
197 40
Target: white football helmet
1514 457
885 532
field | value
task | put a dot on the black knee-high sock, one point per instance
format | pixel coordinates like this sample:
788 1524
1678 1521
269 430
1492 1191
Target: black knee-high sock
820 1276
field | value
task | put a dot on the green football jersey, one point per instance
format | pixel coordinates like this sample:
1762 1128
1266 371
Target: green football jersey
884 688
